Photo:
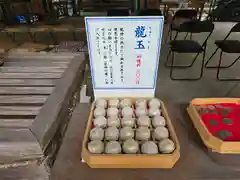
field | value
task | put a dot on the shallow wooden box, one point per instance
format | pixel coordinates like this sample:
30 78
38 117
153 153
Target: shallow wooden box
215 144
226 159
131 160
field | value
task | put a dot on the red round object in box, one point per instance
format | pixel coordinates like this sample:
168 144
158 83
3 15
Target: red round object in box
225 118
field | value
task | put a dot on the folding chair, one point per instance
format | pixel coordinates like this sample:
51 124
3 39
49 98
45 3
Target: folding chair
181 16
148 12
190 46
118 12
226 46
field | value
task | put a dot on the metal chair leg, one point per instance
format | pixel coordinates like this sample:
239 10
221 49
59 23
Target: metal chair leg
175 37
202 67
186 36
171 67
166 62
210 59
168 33
184 66
228 66
187 79
220 67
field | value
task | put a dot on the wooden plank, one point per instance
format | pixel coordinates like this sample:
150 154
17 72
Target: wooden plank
28 82
30 75
54 109
32 62
18 145
22 99
26 90
25 170
19 110
32 69
27 63
15 123
41 57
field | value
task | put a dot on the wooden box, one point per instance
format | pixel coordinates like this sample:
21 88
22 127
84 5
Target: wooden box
216 145
131 160
223 158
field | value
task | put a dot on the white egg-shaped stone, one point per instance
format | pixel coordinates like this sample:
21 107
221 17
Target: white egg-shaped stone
127 112
143 133
126 133
100 121
158 121
141 111
102 103
128 121
149 147
144 121
161 133
113 103
111 134
130 146
154 103
125 103
99 111
154 111
113 121
96 147
166 146
112 111
113 147
96 134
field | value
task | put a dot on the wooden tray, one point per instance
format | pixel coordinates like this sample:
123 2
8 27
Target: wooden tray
212 142
130 160
224 159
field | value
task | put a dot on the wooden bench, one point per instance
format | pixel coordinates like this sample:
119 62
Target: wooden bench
38 93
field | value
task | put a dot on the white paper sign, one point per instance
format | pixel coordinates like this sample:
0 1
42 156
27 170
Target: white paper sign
124 53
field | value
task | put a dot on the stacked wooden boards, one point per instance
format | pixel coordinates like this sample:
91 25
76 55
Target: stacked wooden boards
37 95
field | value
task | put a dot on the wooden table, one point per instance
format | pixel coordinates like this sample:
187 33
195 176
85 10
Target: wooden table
37 96
194 163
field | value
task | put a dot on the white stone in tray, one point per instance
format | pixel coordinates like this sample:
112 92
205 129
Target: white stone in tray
161 133
100 121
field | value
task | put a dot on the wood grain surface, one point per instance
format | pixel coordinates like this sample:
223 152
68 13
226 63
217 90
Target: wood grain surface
18 144
19 110
28 82
30 62
30 75
22 99
26 90
15 123
27 63
31 69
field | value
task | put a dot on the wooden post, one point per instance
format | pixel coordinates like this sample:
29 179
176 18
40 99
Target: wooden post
151 4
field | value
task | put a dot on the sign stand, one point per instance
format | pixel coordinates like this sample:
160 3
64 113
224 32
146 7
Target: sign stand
124 55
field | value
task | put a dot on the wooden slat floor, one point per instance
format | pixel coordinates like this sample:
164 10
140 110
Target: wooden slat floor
25 85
